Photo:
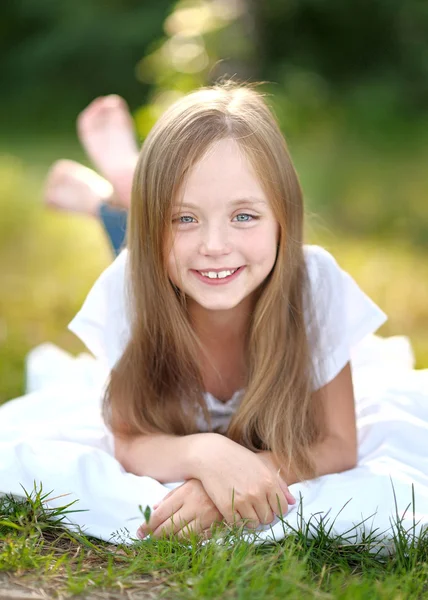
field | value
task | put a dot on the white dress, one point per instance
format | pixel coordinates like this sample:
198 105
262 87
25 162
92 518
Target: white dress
55 435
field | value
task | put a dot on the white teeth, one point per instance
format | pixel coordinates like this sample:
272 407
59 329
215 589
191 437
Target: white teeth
215 275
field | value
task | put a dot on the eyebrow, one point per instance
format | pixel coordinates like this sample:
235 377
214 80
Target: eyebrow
235 202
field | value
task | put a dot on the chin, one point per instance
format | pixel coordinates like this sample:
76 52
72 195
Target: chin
217 306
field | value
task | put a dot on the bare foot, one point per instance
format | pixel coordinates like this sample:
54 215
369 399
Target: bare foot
106 131
74 188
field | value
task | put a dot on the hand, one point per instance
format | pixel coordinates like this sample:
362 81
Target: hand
232 474
185 508
267 458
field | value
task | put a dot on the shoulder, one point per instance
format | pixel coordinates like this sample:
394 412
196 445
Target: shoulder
319 263
324 287
325 279
338 314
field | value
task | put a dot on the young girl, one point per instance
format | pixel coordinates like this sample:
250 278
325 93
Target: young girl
227 338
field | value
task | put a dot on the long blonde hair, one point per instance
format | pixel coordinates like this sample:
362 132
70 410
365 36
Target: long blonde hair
157 386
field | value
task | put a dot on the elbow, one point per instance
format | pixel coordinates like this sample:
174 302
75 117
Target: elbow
121 450
349 464
343 453
349 457
126 453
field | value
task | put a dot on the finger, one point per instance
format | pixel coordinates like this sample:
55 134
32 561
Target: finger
284 487
169 494
193 528
278 502
231 517
246 516
290 498
161 514
248 513
180 522
172 525
250 519
264 513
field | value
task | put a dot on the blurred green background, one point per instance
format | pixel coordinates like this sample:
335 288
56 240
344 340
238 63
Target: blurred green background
349 84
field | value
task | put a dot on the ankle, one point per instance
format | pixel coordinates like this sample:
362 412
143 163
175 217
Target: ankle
121 180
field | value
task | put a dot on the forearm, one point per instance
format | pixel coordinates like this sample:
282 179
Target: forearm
332 455
166 458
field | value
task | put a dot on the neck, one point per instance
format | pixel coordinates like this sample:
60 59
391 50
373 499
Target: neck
220 327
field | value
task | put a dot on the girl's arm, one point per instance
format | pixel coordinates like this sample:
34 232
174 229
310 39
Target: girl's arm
236 481
338 451
170 458
164 457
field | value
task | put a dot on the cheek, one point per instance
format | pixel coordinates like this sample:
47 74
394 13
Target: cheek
262 247
177 259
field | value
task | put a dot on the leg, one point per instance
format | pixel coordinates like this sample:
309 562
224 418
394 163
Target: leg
74 188
114 221
106 131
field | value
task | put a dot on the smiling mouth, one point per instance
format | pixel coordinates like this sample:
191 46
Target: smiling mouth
219 274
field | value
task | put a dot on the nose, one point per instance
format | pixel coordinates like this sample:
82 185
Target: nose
214 241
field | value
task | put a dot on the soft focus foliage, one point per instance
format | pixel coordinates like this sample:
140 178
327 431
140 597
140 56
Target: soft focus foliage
55 57
198 37
366 50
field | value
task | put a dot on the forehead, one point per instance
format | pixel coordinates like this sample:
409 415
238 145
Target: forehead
223 173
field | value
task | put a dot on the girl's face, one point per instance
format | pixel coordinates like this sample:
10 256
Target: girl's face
224 232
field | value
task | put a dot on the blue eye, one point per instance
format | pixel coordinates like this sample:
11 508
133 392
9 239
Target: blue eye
185 219
244 218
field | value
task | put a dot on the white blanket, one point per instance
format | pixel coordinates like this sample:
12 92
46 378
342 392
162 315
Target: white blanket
55 436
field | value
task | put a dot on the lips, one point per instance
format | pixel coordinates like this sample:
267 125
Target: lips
217 270
218 276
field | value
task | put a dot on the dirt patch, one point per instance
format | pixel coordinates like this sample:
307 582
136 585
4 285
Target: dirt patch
13 587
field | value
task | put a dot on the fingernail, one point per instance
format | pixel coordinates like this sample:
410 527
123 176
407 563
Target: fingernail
140 534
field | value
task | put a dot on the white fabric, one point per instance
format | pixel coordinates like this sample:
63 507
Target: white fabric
102 322
55 435
344 314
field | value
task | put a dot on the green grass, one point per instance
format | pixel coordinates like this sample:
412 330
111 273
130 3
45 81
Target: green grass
308 563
